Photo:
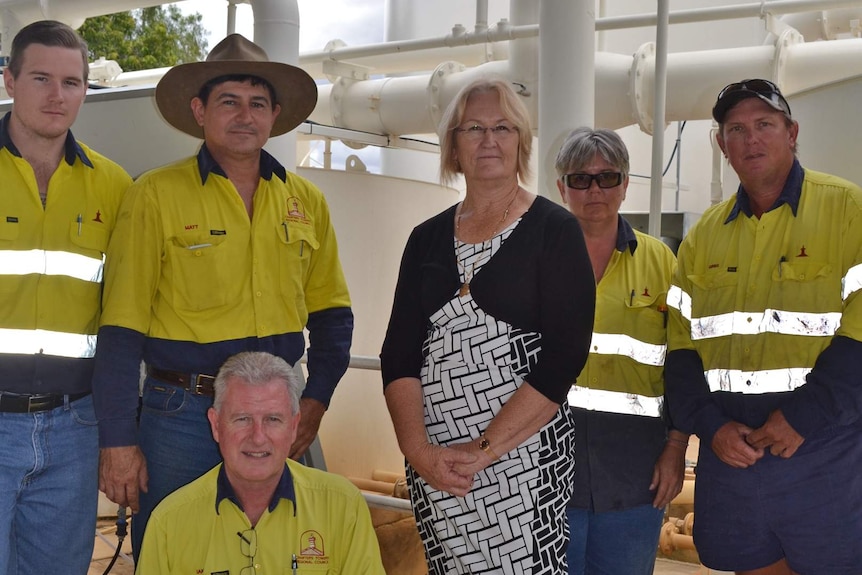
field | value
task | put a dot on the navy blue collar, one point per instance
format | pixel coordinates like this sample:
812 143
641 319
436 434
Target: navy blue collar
284 490
625 236
790 194
268 166
72 151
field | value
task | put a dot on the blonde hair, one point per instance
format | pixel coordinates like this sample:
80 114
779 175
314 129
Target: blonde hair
513 110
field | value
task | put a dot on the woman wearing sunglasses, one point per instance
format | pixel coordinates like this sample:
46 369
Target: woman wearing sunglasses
629 464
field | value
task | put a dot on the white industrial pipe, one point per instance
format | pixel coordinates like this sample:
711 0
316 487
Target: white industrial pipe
382 106
659 118
566 100
276 30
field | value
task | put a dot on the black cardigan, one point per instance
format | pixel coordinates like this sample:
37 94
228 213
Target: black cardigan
541 280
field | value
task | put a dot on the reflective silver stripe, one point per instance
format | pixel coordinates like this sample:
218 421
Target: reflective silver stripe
627 346
764 381
851 282
615 401
768 321
678 299
51 263
48 342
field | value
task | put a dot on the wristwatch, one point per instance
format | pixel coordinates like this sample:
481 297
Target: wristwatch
485 446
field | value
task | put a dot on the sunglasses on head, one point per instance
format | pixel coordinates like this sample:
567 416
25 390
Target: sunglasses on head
759 86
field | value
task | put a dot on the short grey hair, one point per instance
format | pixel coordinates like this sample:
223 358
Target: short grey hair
583 144
257 368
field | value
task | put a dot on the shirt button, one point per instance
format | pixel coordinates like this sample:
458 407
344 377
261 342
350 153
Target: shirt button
198 253
258 294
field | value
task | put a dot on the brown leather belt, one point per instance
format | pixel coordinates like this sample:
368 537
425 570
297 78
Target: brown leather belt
27 403
196 383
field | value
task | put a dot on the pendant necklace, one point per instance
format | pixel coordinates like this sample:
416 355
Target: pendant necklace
465 285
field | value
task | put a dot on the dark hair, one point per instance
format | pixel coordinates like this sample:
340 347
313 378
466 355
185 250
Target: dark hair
207 88
47 33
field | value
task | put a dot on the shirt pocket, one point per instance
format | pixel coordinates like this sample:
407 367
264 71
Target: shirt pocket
296 246
646 317
9 230
199 272
718 288
89 237
806 285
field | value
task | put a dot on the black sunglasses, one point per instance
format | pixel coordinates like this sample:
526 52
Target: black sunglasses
764 87
605 180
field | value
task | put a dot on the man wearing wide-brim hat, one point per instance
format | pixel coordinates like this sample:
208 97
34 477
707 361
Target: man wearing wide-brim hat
219 253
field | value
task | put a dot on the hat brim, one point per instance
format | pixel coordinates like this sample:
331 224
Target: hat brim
295 91
723 106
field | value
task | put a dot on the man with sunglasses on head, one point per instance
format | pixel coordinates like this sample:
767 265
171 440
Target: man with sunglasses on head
629 463
259 511
764 337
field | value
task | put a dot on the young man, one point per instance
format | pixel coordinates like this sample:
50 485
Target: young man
258 512
220 253
765 335
57 211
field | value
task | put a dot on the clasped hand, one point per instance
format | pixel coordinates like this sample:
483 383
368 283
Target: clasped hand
740 446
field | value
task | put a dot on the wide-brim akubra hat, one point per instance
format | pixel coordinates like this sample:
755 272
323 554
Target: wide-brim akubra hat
295 90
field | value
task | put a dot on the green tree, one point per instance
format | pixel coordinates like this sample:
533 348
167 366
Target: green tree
146 38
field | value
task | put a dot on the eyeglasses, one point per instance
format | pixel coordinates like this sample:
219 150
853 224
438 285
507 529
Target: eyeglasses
757 85
248 546
476 132
605 180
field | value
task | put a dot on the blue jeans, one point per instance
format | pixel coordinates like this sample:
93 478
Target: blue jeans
613 542
49 468
175 438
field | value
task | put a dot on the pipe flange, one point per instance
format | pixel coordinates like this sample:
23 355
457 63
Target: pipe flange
330 47
435 88
642 70
788 38
336 100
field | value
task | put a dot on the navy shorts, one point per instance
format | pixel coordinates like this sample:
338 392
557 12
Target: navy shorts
807 509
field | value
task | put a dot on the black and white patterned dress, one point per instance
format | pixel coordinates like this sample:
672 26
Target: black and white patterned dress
513 519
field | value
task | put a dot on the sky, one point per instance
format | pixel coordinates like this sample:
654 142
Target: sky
358 21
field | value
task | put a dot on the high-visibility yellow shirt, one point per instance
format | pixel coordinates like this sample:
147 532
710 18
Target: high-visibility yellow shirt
623 373
760 299
187 263
320 518
51 266
618 399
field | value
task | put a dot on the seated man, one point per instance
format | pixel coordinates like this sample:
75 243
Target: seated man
260 511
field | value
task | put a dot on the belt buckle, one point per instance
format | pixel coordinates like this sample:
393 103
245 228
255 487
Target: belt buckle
199 387
39 402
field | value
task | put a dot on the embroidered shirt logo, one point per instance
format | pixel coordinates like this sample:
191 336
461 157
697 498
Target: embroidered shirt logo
802 253
312 550
98 217
646 292
296 211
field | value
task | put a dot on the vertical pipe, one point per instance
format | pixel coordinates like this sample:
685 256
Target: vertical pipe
658 119
566 100
678 149
231 17
481 16
276 30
